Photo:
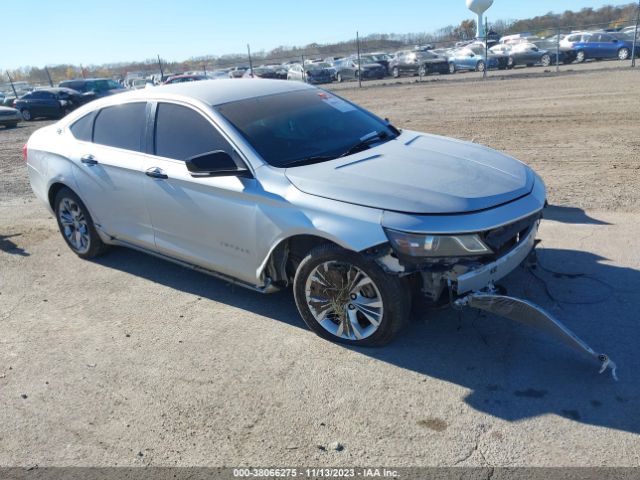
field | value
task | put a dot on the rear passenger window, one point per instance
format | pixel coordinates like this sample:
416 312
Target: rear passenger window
83 129
121 126
182 133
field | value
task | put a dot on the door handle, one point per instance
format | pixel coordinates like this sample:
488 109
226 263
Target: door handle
88 160
155 172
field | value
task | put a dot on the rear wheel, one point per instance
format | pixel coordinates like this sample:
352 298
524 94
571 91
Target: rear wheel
480 66
26 114
339 78
347 298
624 53
76 225
545 60
581 56
395 72
452 68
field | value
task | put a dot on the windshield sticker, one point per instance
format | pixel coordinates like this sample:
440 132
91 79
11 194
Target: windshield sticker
337 103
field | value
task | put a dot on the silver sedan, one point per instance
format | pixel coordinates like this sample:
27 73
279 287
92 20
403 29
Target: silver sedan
269 184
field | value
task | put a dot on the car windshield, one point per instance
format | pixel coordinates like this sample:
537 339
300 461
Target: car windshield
304 126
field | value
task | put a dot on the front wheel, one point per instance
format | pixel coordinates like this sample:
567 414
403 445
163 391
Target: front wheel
581 56
624 54
452 68
339 78
76 225
26 114
480 66
545 60
395 72
347 298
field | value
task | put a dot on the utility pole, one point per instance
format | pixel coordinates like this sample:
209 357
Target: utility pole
250 62
48 76
635 38
160 67
359 64
12 86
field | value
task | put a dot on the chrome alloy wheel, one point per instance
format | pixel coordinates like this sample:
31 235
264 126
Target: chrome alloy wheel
344 300
74 225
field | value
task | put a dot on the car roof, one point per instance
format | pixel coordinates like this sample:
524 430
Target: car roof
85 79
55 89
217 92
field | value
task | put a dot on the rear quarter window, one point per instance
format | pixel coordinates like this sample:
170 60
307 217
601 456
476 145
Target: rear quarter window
82 129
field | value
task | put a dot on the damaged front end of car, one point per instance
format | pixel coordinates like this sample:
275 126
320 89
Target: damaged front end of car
461 269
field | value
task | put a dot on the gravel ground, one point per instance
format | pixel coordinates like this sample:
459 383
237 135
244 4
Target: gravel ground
128 360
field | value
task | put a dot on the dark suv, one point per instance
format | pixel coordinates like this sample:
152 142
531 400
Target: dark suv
96 87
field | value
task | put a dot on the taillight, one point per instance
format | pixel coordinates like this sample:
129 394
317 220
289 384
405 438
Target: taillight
24 152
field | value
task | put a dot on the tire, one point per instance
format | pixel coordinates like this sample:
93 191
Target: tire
480 66
424 70
347 323
76 225
545 60
511 63
395 72
26 114
452 68
339 78
624 53
581 56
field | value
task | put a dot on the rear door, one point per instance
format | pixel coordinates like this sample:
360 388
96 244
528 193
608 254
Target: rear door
207 221
110 159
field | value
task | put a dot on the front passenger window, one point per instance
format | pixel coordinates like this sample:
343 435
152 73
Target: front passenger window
182 133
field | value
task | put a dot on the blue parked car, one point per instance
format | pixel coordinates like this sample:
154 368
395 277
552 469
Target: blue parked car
599 45
473 58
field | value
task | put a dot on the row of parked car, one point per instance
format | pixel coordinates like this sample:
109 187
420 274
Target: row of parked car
507 52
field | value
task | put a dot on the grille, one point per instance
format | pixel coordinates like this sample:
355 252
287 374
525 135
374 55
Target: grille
503 239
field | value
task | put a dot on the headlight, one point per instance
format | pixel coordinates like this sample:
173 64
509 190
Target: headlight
417 245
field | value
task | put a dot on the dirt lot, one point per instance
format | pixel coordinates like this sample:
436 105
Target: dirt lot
129 360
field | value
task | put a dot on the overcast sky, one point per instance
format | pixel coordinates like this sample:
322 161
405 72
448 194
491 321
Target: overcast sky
47 32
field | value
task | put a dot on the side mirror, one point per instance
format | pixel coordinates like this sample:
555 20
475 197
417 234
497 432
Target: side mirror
214 164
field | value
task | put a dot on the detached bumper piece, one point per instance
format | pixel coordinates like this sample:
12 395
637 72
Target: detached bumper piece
527 313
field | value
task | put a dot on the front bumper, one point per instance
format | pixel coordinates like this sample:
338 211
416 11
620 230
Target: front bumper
478 278
10 119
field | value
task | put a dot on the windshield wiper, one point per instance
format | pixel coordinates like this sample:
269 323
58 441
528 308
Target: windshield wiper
365 142
308 160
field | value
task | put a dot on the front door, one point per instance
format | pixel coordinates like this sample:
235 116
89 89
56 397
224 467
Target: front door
207 221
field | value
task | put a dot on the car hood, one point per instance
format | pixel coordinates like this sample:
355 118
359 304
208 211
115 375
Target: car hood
419 173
